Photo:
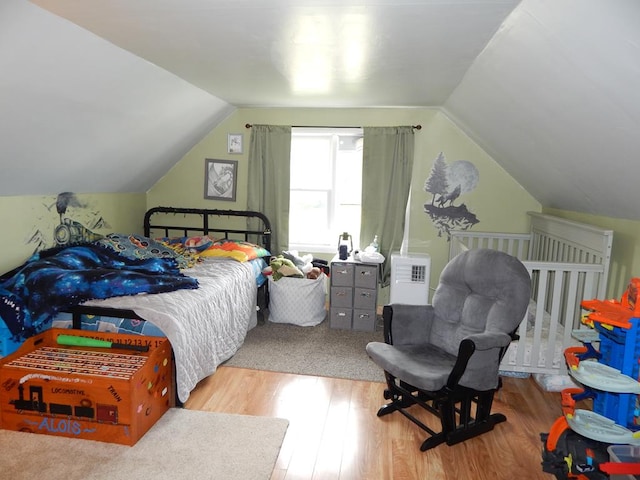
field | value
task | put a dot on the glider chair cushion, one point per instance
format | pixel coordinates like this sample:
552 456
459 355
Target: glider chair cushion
450 351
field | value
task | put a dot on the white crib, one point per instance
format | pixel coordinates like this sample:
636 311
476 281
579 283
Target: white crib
568 262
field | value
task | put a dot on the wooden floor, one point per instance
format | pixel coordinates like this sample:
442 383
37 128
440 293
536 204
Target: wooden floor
334 432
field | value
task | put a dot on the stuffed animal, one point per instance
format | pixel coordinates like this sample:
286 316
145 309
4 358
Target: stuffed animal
302 262
314 273
283 267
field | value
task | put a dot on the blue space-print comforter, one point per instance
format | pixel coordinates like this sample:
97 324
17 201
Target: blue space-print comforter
56 279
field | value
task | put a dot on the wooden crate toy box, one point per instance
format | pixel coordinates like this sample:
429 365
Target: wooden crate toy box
107 394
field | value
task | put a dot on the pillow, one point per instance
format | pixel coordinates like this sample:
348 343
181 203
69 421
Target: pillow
138 246
195 244
198 244
171 240
236 249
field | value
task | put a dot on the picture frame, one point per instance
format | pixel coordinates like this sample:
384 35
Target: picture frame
220 179
234 143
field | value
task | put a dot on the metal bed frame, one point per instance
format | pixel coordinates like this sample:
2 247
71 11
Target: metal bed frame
194 221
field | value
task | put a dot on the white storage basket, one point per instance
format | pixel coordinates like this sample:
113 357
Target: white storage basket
299 301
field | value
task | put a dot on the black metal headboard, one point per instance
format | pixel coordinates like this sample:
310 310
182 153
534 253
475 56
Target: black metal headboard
187 221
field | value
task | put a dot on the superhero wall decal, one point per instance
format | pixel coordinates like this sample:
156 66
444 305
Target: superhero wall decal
446 184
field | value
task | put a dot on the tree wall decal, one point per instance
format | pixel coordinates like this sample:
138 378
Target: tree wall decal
446 183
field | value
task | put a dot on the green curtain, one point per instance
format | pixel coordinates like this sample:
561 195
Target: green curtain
387 164
269 158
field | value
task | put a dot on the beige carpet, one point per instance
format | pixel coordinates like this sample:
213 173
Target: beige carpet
184 444
319 350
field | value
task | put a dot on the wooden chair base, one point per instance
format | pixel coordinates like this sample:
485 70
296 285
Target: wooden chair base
453 407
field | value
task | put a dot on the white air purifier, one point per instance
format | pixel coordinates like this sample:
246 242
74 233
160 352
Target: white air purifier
410 279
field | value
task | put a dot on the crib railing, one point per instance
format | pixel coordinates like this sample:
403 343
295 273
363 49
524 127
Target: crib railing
516 244
557 290
555 239
541 248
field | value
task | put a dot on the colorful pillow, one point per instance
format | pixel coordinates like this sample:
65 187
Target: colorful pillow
236 249
138 246
195 244
171 240
198 244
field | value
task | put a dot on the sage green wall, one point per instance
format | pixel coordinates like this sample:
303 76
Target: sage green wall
498 201
625 252
28 220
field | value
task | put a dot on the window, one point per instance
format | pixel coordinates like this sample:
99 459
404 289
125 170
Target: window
325 187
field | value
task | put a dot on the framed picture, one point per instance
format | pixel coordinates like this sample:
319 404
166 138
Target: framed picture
234 143
220 179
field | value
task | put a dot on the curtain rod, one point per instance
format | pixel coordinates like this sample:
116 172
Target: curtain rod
248 125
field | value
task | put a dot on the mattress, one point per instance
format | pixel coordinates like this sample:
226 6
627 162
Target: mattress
205 326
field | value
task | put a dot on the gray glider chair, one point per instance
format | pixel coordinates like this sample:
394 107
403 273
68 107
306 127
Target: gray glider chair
444 357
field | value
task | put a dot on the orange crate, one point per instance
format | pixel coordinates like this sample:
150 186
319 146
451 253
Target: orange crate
107 394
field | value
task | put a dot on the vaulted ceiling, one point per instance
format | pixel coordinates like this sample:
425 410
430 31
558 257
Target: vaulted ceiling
110 93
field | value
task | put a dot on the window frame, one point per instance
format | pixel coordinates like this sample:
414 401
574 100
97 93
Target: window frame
334 133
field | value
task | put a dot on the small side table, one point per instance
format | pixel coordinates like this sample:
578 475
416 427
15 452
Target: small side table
353 294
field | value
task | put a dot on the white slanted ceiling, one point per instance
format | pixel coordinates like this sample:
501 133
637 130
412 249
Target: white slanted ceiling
80 114
110 94
555 97
302 53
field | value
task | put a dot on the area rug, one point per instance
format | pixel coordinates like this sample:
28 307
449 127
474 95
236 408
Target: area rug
318 350
183 444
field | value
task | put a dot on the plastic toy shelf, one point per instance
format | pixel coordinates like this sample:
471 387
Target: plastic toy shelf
596 427
614 392
603 377
609 377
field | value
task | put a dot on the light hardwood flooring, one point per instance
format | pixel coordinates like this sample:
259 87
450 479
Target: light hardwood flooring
334 432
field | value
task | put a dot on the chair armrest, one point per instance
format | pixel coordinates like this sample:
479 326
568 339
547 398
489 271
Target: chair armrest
488 340
465 350
407 324
468 345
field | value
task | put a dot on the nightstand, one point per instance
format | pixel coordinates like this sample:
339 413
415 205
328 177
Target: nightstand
353 294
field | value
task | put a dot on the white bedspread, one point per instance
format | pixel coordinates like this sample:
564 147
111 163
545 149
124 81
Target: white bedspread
205 326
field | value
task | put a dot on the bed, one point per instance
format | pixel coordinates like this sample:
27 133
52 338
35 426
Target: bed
207 324
568 262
